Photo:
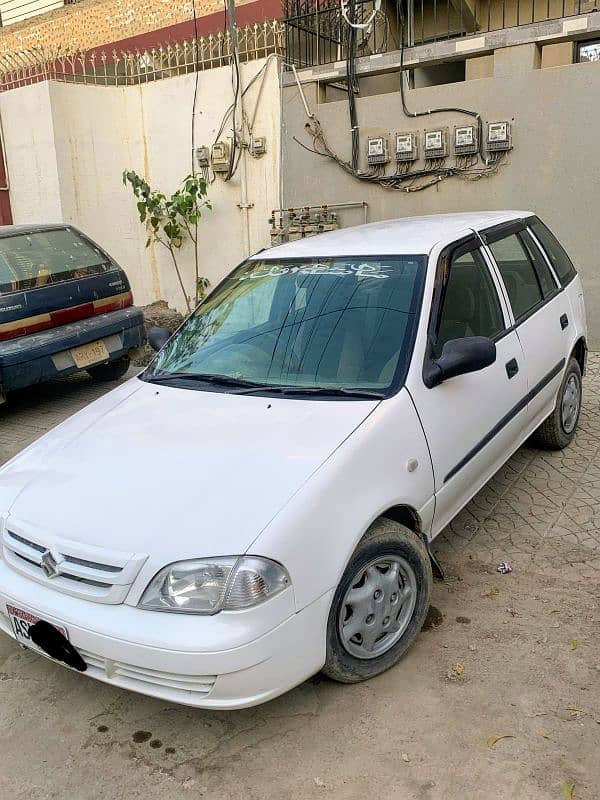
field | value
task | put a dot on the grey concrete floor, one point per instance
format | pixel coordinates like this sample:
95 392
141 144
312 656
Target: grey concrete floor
515 656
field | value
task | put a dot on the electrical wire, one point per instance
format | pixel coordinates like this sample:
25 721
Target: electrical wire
194 103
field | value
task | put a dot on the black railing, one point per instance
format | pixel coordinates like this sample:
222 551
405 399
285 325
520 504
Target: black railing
315 30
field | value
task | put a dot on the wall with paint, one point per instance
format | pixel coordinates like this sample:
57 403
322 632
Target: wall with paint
68 144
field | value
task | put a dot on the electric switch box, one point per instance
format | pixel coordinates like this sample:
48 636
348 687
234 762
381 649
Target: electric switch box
407 148
436 143
377 150
499 136
203 156
258 146
219 157
466 140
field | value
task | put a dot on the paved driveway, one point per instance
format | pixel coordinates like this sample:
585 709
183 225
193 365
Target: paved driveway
515 656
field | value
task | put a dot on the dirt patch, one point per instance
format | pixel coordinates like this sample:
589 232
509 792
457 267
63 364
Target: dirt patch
156 315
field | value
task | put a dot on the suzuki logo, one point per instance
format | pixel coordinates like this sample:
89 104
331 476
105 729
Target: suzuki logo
49 565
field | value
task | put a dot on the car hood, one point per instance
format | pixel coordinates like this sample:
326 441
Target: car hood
173 473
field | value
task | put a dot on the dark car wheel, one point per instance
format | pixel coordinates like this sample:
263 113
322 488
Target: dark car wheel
380 604
111 371
558 430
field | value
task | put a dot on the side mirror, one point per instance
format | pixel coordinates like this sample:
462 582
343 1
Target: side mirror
459 356
158 337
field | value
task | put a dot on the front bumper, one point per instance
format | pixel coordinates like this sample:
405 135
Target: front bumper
183 659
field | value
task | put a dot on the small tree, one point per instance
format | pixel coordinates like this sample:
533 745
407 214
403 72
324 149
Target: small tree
171 220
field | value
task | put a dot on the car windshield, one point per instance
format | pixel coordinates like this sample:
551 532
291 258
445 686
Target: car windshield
328 323
33 260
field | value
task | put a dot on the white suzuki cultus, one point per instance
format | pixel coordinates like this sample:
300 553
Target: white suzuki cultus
258 504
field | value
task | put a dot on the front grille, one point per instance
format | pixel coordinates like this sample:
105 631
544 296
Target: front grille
104 579
181 688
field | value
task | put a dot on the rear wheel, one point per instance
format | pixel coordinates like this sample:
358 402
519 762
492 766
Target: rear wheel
558 430
380 604
111 371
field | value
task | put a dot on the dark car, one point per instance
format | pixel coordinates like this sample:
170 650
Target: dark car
65 305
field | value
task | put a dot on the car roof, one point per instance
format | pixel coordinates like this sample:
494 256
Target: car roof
15 230
405 236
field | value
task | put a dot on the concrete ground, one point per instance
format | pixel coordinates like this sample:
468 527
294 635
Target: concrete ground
499 698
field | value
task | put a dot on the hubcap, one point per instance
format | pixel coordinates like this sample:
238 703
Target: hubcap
571 400
377 607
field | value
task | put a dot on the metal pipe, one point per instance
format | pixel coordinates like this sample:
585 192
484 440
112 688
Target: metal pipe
355 204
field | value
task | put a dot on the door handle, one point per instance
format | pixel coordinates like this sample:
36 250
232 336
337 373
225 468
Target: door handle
564 321
512 368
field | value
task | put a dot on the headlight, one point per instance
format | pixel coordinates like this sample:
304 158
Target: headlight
209 585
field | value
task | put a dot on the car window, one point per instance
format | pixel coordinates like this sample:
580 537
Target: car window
33 260
518 274
470 306
540 264
562 264
311 323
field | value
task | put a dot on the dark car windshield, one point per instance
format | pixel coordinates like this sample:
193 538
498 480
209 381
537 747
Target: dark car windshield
329 323
32 260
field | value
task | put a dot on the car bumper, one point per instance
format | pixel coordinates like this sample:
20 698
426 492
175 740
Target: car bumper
185 668
45 355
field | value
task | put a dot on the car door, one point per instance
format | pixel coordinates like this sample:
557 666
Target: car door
472 422
540 310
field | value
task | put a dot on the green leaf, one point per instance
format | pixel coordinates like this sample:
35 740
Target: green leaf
568 790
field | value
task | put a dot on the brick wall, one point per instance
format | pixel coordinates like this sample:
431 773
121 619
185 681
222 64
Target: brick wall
96 23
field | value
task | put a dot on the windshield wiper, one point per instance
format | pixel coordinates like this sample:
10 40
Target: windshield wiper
334 391
223 380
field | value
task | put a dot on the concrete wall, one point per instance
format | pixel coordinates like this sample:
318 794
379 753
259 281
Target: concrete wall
31 153
68 144
553 170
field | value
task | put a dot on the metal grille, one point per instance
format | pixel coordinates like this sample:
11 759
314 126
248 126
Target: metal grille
176 687
433 20
315 31
131 68
78 570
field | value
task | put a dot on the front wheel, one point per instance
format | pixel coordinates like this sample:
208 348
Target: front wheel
111 371
380 604
558 430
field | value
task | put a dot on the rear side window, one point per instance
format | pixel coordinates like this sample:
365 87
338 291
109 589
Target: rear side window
33 260
518 274
547 282
562 264
470 306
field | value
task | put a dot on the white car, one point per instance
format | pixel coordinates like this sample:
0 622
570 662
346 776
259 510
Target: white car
258 505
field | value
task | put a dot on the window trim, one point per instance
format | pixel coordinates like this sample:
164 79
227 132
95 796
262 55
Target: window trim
563 285
442 274
497 232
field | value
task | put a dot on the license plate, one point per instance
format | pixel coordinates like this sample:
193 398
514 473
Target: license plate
21 620
89 354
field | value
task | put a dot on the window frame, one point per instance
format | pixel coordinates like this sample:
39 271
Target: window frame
583 43
442 274
574 273
515 226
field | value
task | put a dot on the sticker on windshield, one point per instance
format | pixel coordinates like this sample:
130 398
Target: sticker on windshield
359 270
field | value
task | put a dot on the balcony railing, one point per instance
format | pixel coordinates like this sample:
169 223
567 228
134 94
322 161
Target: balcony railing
315 30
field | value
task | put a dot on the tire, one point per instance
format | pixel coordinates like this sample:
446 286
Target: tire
351 659
111 371
558 430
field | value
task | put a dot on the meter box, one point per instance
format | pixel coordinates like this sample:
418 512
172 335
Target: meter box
499 136
219 157
466 140
377 150
407 148
203 156
436 143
